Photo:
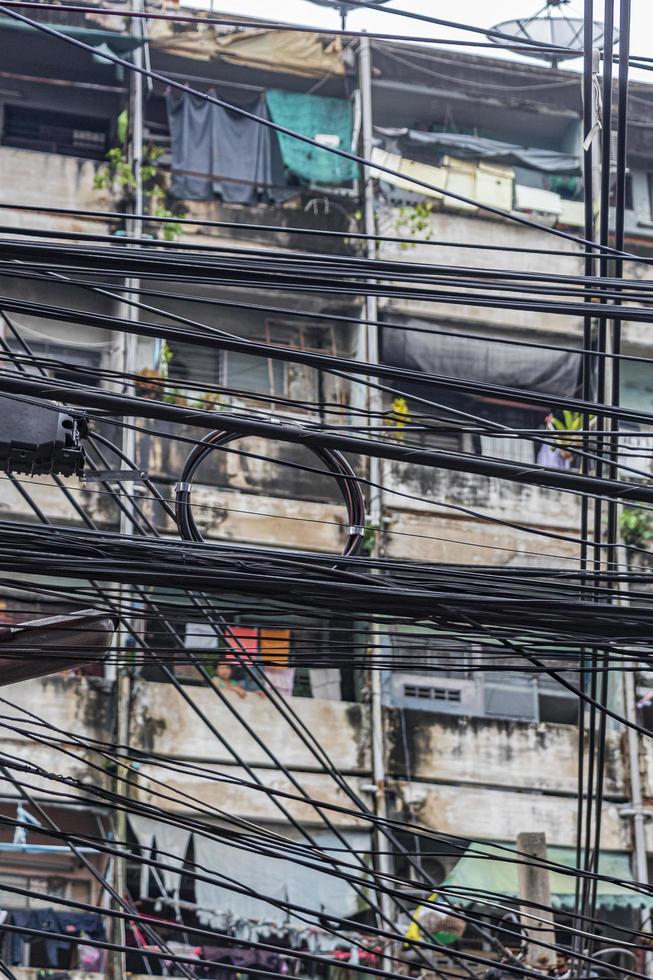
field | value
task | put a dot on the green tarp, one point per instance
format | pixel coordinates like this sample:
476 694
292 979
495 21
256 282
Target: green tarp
487 869
326 119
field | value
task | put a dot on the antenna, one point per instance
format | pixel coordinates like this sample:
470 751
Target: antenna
343 7
551 25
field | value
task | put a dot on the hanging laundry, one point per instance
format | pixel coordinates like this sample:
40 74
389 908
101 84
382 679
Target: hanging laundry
87 924
329 121
171 845
218 151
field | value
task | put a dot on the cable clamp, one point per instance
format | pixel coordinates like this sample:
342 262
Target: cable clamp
183 488
291 424
356 529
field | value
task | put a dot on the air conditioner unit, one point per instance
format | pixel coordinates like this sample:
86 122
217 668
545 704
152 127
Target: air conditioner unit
510 695
434 692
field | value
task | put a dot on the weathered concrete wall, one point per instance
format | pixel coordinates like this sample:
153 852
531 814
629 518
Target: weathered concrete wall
448 517
492 779
74 706
263 504
500 814
462 541
164 723
482 752
228 790
444 227
52 180
483 779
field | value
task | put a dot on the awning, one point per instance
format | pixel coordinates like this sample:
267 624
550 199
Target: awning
476 359
293 53
486 870
480 147
119 43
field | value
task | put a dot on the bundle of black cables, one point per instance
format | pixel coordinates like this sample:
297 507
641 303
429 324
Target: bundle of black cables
335 463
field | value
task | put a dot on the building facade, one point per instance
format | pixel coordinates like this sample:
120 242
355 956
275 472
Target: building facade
470 754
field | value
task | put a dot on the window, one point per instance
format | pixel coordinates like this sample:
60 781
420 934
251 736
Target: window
420 857
74 364
283 379
557 704
55 132
243 373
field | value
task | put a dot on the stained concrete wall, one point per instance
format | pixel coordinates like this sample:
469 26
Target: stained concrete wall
485 779
492 779
444 228
76 708
492 813
164 723
481 752
52 180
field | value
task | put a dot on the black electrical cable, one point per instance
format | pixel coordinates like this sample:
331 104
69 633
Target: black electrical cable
294 230
334 461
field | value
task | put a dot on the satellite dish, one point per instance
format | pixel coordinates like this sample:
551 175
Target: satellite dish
557 30
344 7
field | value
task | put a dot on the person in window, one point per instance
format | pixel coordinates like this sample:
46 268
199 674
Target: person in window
225 681
555 457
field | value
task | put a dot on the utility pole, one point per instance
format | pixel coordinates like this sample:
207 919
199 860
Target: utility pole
535 895
117 959
375 408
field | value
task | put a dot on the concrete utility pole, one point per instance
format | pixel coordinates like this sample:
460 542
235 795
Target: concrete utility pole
117 959
535 895
375 407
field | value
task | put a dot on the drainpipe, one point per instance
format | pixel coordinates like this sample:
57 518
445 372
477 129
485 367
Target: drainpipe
375 407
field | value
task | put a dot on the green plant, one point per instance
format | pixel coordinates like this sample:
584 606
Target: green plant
116 173
413 221
165 358
119 177
208 401
636 526
568 427
369 539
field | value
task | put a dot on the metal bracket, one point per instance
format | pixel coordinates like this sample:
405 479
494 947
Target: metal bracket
111 476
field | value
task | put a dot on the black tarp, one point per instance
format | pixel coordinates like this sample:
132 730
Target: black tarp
481 148
217 151
476 359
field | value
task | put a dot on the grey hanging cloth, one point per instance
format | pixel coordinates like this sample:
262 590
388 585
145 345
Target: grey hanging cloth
478 359
219 151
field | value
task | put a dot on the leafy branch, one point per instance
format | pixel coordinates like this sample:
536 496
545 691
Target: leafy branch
118 176
413 221
636 526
